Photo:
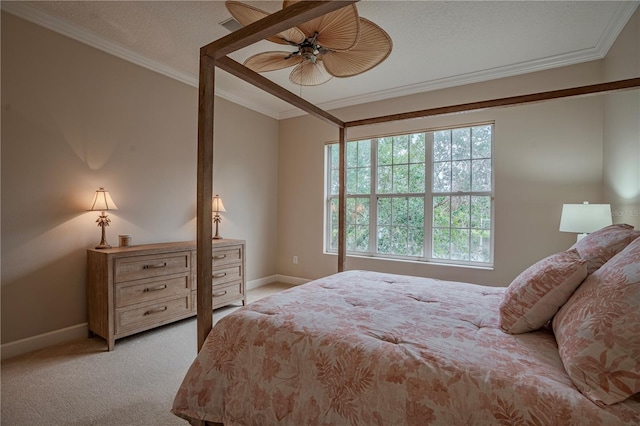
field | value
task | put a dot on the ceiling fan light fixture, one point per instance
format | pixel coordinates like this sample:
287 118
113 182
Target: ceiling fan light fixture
338 44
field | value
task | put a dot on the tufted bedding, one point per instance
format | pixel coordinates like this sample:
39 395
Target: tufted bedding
365 348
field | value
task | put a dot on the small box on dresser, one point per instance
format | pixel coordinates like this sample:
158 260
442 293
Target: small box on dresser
133 289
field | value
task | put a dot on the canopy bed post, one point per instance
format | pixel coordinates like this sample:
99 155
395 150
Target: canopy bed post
214 55
342 202
204 275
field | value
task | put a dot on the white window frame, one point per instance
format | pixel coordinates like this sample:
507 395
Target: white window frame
428 197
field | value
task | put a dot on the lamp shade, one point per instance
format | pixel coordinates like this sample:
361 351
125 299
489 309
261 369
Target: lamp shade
216 204
585 218
102 201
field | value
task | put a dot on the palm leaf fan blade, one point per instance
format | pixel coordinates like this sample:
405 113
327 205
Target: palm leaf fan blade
271 61
373 47
245 15
309 74
337 30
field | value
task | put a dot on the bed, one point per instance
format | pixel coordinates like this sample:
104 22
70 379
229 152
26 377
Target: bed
369 348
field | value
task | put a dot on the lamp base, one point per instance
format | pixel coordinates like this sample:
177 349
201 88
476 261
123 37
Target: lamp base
103 246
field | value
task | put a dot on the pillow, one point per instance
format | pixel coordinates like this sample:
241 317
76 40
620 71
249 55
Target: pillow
534 297
598 330
602 245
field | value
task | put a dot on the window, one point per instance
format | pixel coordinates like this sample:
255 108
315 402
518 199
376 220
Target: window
421 196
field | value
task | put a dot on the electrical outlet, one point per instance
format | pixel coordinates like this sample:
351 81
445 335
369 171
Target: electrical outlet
295 260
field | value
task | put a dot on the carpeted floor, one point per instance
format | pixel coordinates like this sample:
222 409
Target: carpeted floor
80 383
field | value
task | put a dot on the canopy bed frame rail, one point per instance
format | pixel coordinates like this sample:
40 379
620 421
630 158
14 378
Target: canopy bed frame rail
215 55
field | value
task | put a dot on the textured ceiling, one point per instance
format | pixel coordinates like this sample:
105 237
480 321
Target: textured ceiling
436 43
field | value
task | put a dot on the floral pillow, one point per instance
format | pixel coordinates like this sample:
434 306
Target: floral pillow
602 245
598 330
535 296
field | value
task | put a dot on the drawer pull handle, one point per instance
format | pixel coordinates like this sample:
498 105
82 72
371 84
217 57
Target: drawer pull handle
158 265
220 256
223 274
156 288
156 310
220 293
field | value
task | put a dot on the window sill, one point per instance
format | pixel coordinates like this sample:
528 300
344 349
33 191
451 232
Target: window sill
417 262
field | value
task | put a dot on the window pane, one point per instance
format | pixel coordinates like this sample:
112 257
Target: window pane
351 237
399 239
417 148
351 204
461 144
361 211
335 182
352 181
384 239
460 176
416 178
481 212
399 212
352 154
416 242
460 244
362 238
385 151
364 153
442 145
333 226
481 141
400 150
384 211
385 180
401 179
480 246
335 156
441 243
441 211
364 180
460 211
416 212
442 177
481 170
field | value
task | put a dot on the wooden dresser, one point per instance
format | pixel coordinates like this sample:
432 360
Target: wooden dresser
137 288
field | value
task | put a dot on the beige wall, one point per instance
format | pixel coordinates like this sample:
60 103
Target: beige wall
545 155
622 128
75 118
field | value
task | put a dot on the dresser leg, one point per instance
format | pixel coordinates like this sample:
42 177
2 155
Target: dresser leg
110 344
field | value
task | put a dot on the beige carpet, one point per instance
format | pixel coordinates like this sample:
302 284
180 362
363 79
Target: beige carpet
80 383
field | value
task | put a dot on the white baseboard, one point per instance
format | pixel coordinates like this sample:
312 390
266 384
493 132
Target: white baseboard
260 282
30 344
290 280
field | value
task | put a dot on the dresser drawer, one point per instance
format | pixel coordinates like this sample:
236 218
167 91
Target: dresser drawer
226 293
142 317
223 294
151 289
228 274
140 267
226 256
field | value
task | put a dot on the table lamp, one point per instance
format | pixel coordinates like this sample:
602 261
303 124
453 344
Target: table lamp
102 202
584 218
216 208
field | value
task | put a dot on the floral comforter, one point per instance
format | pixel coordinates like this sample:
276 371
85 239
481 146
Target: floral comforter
365 348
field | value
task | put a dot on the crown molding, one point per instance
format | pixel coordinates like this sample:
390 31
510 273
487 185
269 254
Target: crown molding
624 11
620 18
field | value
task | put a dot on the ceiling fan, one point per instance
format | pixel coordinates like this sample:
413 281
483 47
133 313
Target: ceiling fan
338 44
